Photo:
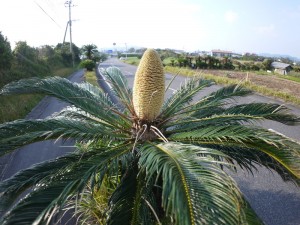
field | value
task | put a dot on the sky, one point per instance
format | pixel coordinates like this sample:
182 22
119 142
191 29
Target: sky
257 26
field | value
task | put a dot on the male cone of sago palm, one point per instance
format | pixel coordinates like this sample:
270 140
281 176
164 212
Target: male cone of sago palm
149 87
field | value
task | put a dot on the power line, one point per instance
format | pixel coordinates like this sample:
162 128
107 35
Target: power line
47 14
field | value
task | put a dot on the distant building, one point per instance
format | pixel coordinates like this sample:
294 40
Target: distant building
203 53
281 68
221 53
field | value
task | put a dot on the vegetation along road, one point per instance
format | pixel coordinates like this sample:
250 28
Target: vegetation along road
275 201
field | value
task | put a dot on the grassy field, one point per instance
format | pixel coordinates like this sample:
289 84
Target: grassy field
18 106
227 81
293 76
132 60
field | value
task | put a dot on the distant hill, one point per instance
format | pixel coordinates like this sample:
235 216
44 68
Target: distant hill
279 56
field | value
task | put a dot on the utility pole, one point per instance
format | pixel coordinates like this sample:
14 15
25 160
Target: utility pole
69 4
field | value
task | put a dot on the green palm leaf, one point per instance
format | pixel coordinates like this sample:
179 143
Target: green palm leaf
22 132
119 85
128 204
238 114
268 111
280 148
195 189
83 96
206 106
251 159
51 190
184 95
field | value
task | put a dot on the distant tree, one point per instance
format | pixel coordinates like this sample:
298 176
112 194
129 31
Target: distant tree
6 55
87 64
250 57
255 67
24 53
27 60
100 57
89 51
131 50
47 54
172 62
63 49
238 64
180 61
140 50
227 63
267 64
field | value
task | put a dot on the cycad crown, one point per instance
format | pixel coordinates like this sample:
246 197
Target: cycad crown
149 86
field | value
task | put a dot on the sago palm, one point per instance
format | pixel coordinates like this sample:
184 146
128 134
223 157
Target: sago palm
168 159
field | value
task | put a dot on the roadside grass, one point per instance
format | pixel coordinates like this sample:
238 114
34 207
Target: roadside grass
18 106
227 81
90 76
292 78
132 61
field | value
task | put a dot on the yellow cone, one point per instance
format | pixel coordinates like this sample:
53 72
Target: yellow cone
149 86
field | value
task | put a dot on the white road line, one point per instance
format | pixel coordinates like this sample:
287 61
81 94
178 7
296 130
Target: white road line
174 90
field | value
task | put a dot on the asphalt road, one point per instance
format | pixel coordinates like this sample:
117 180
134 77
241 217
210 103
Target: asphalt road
276 202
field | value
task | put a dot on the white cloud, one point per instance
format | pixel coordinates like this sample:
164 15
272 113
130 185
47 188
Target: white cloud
231 16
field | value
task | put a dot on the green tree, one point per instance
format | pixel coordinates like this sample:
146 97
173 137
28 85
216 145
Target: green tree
131 50
267 64
167 161
47 54
64 51
25 54
6 55
87 64
89 51
27 60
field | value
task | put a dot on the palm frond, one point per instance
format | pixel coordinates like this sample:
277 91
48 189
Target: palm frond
51 190
183 96
217 99
195 189
238 114
268 111
250 216
251 159
22 132
278 147
83 96
119 85
229 92
206 106
128 202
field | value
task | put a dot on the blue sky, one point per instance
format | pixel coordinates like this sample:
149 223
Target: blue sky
265 26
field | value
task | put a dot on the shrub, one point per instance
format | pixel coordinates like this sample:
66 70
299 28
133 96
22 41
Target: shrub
87 64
